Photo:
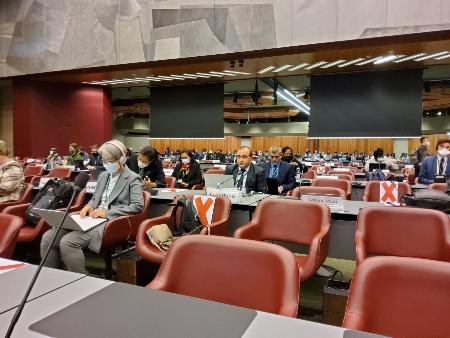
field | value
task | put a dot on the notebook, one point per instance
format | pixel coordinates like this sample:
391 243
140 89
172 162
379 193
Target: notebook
72 221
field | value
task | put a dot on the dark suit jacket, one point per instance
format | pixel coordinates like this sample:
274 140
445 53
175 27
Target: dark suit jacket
193 177
154 172
132 163
255 177
286 175
428 169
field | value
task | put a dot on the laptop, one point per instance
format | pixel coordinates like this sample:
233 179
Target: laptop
377 166
72 221
219 181
272 186
79 165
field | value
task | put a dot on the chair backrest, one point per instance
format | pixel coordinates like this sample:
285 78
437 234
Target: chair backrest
9 231
402 231
400 297
319 191
309 175
372 191
291 220
438 186
338 172
320 169
33 171
342 176
170 182
167 164
217 171
222 208
60 172
341 184
239 272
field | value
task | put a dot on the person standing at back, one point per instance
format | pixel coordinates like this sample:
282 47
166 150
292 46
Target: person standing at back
247 176
280 170
422 151
436 165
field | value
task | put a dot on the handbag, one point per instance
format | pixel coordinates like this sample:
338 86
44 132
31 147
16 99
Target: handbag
160 236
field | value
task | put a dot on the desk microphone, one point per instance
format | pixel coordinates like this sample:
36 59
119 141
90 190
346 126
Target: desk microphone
79 184
261 199
219 185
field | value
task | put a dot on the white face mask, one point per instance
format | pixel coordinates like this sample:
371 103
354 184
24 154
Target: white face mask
111 168
444 152
142 164
185 160
51 152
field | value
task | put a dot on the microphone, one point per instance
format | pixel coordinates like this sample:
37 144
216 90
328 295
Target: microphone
219 185
79 184
259 200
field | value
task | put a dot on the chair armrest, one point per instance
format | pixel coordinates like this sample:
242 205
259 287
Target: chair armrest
289 310
360 248
318 251
143 246
17 210
249 231
219 228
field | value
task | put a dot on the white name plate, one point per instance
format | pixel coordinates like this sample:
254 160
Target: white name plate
168 171
221 166
215 161
44 180
90 187
332 202
329 164
328 177
342 169
30 160
233 194
409 166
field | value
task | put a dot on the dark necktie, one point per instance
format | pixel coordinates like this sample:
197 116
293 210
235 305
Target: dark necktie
274 173
441 167
240 180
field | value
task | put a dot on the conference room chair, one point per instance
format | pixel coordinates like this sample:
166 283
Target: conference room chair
250 274
320 169
343 176
60 172
439 186
400 297
219 226
31 232
121 231
25 197
216 171
9 231
170 182
296 222
199 186
318 191
349 173
341 184
402 231
32 171
309 175
372 191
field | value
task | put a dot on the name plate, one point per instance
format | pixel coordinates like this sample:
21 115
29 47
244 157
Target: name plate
43 180
409 166
233 194
168 171
332 202
308 164
328 177
221 166
215 161
90 187
329 164
30 160
342 169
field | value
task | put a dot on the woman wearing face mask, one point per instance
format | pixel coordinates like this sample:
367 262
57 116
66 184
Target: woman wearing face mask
187 172
150 168
118 193
53 159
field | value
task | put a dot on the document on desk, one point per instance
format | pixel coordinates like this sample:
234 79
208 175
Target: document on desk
87 223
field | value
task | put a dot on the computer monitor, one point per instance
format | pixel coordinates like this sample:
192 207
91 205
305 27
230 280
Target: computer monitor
79 165
377 166
272 186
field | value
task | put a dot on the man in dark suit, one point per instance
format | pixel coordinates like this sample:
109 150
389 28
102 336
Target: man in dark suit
247 176
280 170
436 165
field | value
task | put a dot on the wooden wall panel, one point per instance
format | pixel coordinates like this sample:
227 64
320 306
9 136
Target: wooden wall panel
297 143
230 143
414 143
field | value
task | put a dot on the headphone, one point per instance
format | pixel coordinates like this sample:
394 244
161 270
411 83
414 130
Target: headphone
122 149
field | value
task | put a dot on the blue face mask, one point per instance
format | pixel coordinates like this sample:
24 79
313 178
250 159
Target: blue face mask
111 168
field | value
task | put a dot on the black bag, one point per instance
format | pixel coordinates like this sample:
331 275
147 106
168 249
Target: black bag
189 221
375 176
429 199
55 194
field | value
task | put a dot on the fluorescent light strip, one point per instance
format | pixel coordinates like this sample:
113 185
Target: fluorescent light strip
184 76
279 69
196 75
186 138
165 78
209 75
234 72
178 77
410 57
376 58
223 74
335 63
317 64
348 63
293 103
431 56
296 99
300 66
443 57
387 58
265 70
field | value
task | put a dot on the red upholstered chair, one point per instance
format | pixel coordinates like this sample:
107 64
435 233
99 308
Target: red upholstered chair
295 222
372 191
32 171
217 171
24 198
199 186
400 297
170 182
9 231
402 231
338 172
31 232
341 184
259 276
219 226
320 191
343 176
438 186
320 169
309 175
60 172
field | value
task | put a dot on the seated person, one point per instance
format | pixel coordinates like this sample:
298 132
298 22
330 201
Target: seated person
187 172
74 154
11 176
95 160
53 159
436 165
282 171
118 193
378 157
289 158
150 168
247 176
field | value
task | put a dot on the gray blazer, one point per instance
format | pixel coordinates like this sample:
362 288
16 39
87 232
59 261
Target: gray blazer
125 199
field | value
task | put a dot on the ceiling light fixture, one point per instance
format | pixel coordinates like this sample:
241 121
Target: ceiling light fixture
335 63
300 66
365 62
279 93
315 65
165 78
209 74
348 63
387 58
235 72
431 56
187 76
265 70
206 76
296 99
406 58
442 57
223 74
279 69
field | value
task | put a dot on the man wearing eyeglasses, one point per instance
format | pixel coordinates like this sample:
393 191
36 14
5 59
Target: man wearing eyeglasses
280 170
